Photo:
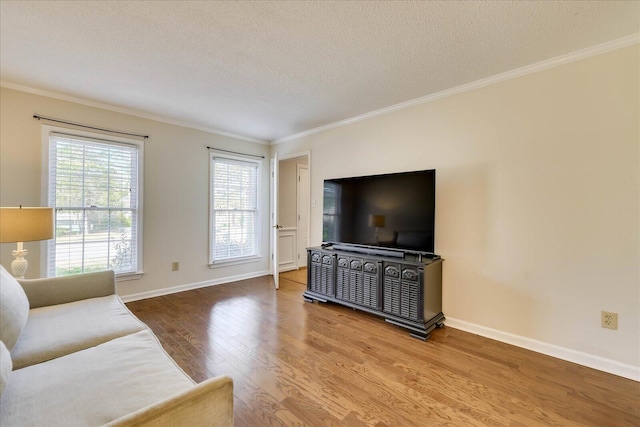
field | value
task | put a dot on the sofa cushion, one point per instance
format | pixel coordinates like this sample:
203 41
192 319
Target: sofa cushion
14 309
61 290
5 367
93 386
58 330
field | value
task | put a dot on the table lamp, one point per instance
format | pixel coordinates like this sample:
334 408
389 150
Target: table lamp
376 221
24 225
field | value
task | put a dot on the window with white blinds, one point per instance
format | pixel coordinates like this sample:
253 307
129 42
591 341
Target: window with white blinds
234 209
94 188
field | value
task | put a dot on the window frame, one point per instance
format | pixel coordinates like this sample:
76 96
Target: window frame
47 130
258 209
335 216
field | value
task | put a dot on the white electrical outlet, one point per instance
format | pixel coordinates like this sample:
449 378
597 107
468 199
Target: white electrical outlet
609 320
175 266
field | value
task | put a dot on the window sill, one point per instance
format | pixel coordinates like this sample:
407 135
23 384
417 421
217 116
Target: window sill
129 276
236 261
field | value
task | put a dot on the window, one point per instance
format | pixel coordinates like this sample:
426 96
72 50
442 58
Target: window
94 186
234 209
331 212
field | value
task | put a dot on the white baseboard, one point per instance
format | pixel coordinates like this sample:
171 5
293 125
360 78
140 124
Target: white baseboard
189 286
596 362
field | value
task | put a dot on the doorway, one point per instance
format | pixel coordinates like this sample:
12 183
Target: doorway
293 211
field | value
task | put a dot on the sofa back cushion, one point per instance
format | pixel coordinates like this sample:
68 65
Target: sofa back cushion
14 309
5 367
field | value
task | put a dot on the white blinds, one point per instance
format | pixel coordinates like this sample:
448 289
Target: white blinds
234 209
93 185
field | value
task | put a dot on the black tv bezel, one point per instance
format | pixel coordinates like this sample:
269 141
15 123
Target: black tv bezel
393 252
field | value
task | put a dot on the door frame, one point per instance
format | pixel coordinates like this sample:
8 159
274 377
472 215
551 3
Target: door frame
274 209
274 226
298 204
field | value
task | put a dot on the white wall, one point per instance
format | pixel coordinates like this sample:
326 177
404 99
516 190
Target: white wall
537 201
176 189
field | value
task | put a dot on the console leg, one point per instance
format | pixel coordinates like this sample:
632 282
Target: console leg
307 299
419 336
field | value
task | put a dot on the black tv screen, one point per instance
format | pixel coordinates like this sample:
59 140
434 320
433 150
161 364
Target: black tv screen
392 211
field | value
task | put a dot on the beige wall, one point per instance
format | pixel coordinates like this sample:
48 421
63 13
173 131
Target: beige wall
176 188
537 198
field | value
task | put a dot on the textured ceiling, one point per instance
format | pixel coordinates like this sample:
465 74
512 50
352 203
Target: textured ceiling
267 70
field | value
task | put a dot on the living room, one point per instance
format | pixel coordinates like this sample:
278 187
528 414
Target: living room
537 194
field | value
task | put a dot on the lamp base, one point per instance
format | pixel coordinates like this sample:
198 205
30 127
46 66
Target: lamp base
19 265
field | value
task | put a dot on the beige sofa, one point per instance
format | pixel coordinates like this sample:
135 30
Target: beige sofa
72 354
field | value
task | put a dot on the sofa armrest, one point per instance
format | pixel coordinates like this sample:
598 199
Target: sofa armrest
60 290
209 403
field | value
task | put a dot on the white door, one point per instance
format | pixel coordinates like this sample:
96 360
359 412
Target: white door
274 220
303 214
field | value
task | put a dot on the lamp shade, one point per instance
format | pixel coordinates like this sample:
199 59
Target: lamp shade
25 224
376 221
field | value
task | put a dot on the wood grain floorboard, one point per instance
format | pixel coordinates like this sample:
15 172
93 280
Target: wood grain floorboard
300 364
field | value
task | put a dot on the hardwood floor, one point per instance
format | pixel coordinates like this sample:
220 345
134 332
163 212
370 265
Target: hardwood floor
300 364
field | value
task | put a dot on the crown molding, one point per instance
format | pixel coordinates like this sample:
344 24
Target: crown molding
124 110
508 75
518 72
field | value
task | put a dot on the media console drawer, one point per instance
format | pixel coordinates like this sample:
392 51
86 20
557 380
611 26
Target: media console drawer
320 273
357 281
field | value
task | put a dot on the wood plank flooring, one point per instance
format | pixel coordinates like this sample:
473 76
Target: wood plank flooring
300 364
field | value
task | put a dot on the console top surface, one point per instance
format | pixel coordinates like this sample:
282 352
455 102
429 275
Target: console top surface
363 252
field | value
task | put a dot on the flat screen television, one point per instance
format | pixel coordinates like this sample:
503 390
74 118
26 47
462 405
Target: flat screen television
394 211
